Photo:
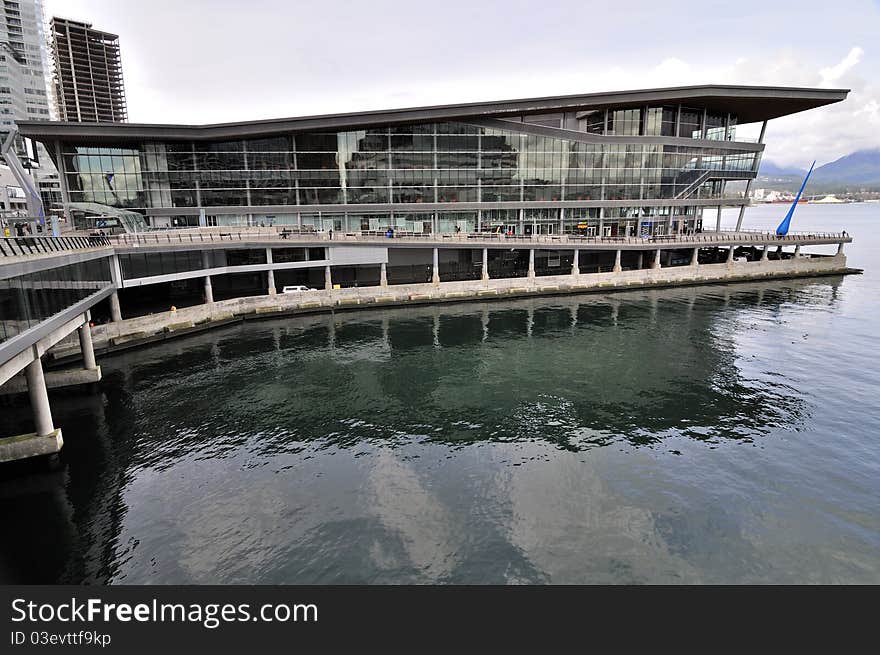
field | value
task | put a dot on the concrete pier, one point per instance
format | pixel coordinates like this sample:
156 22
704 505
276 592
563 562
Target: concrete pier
86 347
655 263
767 250
695 257
209 290
575 264
328 279
531 263
730 255
145 329
46 440
115 309
485 274
617 267
435 277
383 275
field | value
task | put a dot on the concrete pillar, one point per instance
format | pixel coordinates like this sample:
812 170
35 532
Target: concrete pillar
641 262
485 264
270 274
764 252
86 347
575 270
435 278
730 254
656 262
617 268
718 221
695 257
839 248
39 398
209 290
328 279
531 263
383 275
797 250
115 310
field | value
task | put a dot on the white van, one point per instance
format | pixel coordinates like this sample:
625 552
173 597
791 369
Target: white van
297 288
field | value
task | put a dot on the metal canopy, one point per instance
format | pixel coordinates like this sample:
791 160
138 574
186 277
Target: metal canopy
749 103
132 221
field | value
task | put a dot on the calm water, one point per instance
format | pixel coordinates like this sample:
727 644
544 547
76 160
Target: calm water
713 434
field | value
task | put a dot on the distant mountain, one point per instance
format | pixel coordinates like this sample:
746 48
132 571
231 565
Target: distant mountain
860 167
858 170
769 169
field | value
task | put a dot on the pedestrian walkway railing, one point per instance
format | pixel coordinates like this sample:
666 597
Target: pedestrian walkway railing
742 236
26 246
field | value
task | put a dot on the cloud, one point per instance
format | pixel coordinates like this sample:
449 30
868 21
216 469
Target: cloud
831 75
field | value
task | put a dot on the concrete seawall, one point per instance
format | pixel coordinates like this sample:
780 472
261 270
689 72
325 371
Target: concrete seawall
156 327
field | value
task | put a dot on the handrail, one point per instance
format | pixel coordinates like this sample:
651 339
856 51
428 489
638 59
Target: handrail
742 236
27 246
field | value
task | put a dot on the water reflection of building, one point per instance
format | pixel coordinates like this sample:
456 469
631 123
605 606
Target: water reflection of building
640 162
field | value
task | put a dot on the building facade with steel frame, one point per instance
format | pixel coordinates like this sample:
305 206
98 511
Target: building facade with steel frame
608 164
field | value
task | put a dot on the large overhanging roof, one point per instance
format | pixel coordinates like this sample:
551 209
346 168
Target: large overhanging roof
749 103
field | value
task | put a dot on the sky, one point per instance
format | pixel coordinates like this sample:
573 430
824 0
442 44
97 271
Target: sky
208 61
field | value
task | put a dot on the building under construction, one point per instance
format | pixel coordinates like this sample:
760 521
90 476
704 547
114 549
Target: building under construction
87 73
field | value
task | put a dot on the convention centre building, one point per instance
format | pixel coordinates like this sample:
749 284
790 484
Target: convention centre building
633 163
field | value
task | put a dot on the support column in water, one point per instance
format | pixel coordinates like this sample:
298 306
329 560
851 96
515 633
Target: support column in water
39 398
86 346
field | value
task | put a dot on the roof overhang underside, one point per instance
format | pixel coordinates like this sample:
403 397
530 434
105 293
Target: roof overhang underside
749 103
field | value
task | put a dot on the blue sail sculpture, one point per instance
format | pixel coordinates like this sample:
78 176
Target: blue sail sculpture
782 230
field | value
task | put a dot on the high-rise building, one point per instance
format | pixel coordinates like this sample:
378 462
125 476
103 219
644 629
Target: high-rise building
22 63
87 73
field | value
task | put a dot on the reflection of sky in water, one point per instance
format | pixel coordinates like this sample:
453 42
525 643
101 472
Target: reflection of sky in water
715 434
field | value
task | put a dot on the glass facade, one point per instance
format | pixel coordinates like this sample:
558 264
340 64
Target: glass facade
408 165
27 300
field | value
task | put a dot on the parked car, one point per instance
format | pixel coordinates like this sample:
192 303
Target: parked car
297 288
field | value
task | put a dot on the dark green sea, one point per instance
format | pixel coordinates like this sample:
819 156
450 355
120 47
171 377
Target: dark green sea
715 434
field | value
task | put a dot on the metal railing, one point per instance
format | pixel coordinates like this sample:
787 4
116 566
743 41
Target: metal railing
742 236
27 246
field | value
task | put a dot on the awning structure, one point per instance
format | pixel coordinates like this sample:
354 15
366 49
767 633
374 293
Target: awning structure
133 222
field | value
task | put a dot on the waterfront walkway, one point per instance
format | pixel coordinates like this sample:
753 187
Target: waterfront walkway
480 239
